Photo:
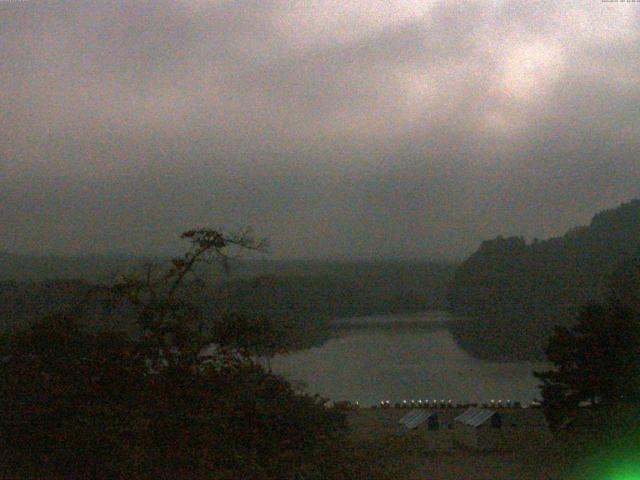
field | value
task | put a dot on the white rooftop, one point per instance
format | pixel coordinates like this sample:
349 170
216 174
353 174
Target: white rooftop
414 418
475 417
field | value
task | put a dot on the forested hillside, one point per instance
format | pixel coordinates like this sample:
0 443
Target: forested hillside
312 292
518 291
93 268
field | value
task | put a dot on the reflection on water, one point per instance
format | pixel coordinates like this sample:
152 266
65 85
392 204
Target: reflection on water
370 365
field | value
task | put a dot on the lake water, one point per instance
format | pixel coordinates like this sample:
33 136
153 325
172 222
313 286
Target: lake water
397 357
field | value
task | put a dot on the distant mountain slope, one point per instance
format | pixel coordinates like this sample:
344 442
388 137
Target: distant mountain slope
31 287
519 291
93 268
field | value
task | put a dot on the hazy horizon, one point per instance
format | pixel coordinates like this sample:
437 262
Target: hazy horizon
267 257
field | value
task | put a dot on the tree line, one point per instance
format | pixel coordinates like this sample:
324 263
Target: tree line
518 291
174 395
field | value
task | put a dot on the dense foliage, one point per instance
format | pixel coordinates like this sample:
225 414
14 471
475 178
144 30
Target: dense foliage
164 402
85 405
305 295
520 291
64 394
596 362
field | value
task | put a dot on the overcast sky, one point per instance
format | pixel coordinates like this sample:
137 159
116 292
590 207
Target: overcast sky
360 128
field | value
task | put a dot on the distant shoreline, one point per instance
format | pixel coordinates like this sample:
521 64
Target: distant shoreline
420 320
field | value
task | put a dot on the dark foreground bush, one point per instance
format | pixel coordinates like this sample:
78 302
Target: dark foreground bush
75 404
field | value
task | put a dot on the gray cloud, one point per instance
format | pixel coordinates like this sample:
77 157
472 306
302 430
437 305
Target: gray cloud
351 129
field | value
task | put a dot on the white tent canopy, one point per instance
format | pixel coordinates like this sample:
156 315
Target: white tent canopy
415 418
474 417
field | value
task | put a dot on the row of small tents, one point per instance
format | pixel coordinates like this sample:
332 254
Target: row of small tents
451 404
473 417
483 428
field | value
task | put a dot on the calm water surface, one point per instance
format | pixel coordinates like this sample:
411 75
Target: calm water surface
383 359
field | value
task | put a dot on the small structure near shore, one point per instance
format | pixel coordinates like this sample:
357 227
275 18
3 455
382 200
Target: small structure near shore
489 430
418 419
480 429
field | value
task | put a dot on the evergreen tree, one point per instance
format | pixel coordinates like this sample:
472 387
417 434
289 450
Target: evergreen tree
598 359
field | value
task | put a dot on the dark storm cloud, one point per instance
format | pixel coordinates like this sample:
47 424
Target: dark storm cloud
364 128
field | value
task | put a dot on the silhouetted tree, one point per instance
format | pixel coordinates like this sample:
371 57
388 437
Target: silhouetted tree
254 336
597 360
79 404
173 329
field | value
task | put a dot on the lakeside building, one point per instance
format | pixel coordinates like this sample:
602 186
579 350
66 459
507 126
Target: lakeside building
419 419
489 430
